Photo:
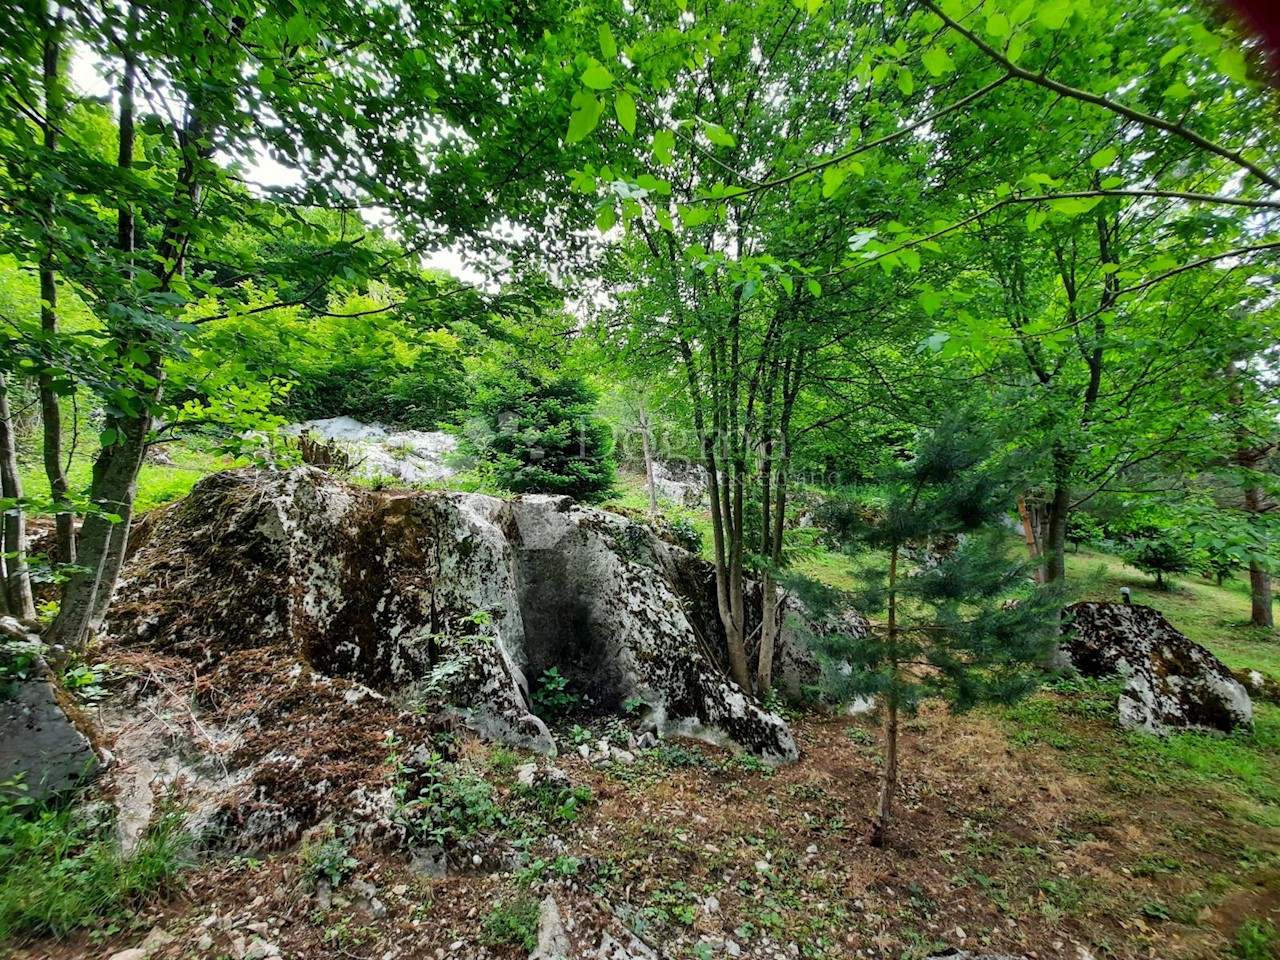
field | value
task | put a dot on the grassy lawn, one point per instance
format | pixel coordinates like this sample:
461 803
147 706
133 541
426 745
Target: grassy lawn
158 483
1217 617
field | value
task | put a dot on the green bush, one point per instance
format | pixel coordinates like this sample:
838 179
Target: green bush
61 871
552 698
1159 555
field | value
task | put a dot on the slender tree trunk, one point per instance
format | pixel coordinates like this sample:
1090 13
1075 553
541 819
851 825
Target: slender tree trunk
1250 453
648 459
104 537
17 580
1029 535
1260 604
1055 542
50 408
889 780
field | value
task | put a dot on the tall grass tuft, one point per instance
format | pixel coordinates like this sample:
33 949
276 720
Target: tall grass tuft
60 871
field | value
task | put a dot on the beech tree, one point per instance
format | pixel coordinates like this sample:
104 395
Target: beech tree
444 133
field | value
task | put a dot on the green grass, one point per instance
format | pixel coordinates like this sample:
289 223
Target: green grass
60 872
1217 617
158 483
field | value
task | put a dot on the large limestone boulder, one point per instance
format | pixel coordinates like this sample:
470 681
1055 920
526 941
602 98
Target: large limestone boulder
1171 683
377 453
40 746
416 594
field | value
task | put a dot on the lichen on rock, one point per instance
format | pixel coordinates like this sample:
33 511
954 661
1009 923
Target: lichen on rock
1171 683
296 604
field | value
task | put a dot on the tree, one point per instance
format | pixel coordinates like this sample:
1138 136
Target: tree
969 629
1160 554
143 234
540 434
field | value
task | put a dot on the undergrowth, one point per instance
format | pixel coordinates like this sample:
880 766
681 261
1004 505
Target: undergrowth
61 871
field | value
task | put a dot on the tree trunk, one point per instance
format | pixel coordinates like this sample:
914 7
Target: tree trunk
1260 596
50 410
1029 535
1055 545
1260 607
648 459
768 635
889 780
103 538
17 580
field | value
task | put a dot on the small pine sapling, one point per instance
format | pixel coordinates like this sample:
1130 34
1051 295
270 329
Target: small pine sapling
968 626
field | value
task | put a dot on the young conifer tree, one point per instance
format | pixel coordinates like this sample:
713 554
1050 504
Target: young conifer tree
966 626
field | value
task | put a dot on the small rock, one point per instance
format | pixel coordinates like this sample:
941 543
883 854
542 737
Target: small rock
732 949
157 938
400 889
762 866
711 905
625 757
428 863
584 751
812 848
377 909
205 943
259 948
526 773
455 946
136 953
646 741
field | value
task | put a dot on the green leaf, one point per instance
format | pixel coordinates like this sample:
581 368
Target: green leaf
1110 183
1173 54
624 105
937 61
1072 206
664 142
108 437
906 82
1104 158
813 6
815 288
930 301
719 135
597 77
297 28
788 284
1231 62
265 77
998 25
584 117
608 46
606 217
832 177
1035 217
1054 13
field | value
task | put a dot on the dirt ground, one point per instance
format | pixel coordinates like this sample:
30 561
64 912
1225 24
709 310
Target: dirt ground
1002 844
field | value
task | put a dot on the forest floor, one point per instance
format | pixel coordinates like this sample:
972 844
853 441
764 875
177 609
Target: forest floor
1037 830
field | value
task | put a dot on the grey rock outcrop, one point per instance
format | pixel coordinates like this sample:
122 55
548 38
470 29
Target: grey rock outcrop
1171 683
684 484
384 589
376 453
38 741
572 929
